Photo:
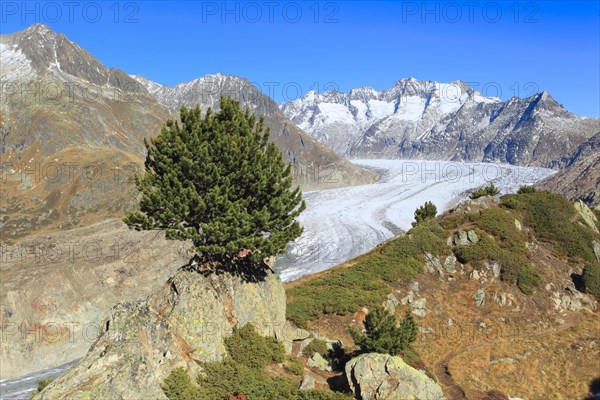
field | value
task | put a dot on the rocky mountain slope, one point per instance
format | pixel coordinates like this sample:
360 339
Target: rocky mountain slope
72 134
496 289
431 120
579 177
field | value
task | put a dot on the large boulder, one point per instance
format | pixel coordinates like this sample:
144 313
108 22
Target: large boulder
180 325
375 376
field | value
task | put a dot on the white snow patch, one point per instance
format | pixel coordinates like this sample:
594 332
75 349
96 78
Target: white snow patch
334 112
410 109
13 63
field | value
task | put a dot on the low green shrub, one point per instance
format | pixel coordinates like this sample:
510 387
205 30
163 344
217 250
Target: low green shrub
425 212
235 375
489 190
179 386
226 378
384 335
591 279
320 395
294 365
316 346
249 348
528 279
551 217
526 189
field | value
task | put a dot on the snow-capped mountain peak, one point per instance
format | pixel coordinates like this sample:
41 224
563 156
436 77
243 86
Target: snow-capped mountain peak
433 120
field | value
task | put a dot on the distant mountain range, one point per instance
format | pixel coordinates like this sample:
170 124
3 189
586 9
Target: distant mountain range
72 133
437 121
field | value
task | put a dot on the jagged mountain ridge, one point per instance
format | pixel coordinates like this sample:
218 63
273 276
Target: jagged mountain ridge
431 120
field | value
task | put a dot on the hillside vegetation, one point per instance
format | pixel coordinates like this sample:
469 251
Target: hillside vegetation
491 280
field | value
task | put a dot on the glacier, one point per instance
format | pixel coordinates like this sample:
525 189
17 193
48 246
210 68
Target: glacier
340 224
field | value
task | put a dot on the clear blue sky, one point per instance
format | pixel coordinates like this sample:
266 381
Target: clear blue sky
539 45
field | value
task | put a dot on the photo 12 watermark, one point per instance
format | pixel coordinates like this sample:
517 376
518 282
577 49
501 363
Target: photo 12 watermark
48 12
452 12
253 12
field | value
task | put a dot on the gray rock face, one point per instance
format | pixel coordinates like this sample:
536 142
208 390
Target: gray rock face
319 362
596 249
308 382
390 303
579 178
383 377
51 308
479 297
180 325
433 264
450 263
461 238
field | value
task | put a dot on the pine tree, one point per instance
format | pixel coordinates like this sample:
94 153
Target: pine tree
425 212
218 181
384 335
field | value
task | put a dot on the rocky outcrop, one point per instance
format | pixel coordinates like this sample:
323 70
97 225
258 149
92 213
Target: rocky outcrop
180 325
587 215
380 376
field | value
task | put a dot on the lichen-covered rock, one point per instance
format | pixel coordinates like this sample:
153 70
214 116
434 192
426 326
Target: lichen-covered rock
587 215
180 325
450 263
479 297
596 249
461 238
391 303
472 236
433 264
375 376
319 362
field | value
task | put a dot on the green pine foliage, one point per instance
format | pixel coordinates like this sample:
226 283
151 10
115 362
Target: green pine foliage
489 190
425 212
179 386
384 335
591 278
218 181
526 189
247 347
